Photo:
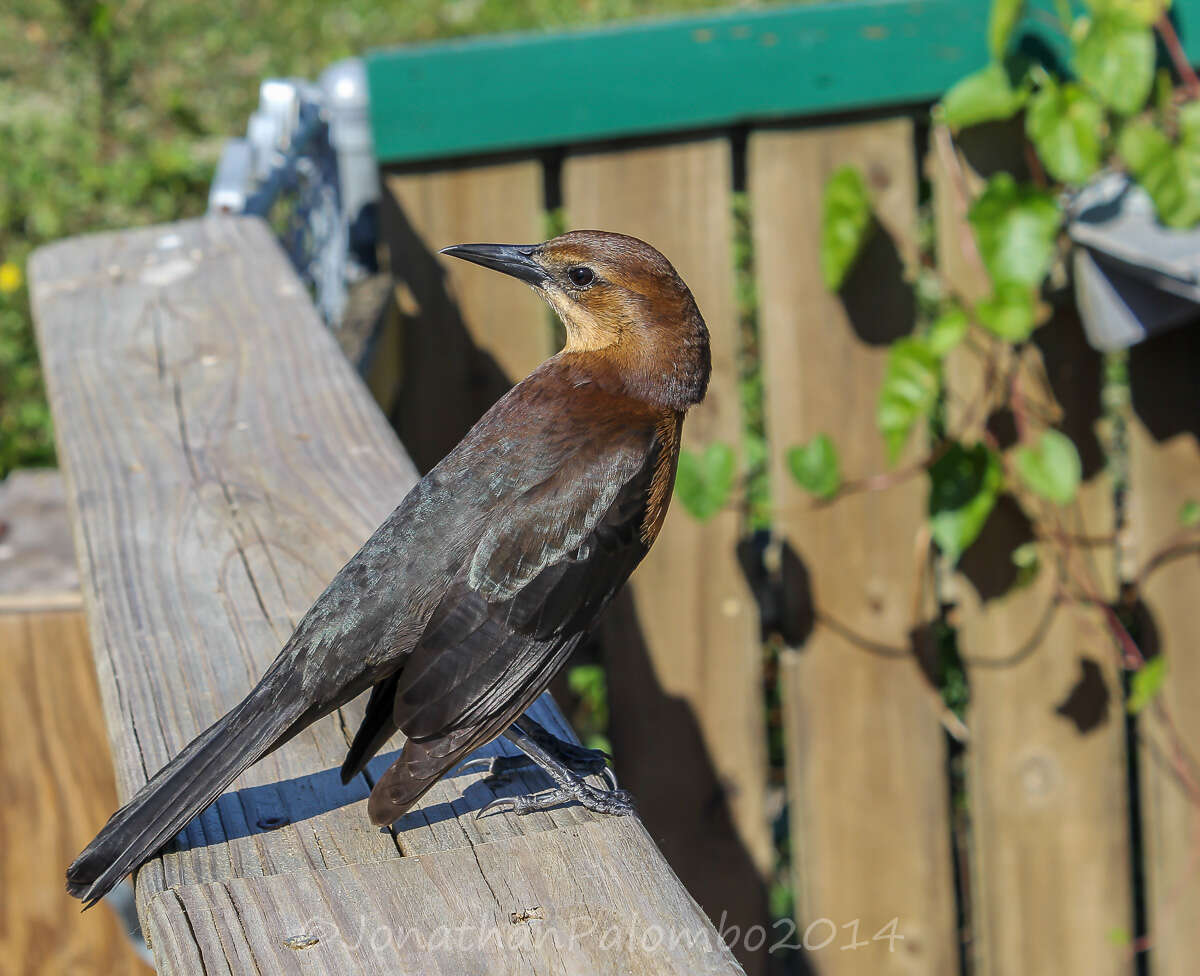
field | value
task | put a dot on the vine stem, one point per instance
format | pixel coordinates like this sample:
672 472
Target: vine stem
1170 39
948 154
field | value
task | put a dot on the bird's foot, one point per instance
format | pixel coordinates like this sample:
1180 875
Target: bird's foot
616 802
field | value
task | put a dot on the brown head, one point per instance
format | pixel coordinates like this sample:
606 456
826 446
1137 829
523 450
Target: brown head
622 305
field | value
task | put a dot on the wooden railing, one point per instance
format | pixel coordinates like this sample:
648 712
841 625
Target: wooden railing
222 462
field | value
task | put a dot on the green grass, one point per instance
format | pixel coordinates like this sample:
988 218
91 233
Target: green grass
113 114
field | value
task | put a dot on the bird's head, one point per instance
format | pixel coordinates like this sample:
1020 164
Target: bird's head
621 302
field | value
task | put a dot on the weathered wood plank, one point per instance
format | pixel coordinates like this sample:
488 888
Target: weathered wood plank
52 751
525 905
866 754
686 682
37 559
1046 761
223 461
1164 472
466 335
56 777
1046 771
221 467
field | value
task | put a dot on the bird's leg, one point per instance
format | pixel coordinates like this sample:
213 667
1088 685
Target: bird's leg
568 784
581 761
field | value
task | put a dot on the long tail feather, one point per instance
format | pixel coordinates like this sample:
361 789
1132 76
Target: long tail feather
184 787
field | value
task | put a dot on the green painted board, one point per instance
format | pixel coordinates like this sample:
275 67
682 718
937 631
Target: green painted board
520 91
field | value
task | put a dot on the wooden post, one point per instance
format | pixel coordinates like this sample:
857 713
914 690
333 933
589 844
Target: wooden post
467 336
685 674
223 462
55 771
1164 472
866 755
1046 764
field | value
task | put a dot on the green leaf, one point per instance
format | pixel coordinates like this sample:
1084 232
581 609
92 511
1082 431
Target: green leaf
964 484
704 482
909 392
1189 125
1116 60
1189 513
1066 126
1146 11
986 95
1009 312
815 466
1015 226
1051 467
1027 560
1145 684
947 331
1002 19
1141 145
588 681
1170 174
845 224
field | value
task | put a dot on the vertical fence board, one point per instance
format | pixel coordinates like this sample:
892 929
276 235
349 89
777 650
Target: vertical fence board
58 784
467 334
697 620
868 803
1046 763
56 775
1165 472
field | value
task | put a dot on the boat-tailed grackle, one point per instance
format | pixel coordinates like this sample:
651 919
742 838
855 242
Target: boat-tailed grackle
463 605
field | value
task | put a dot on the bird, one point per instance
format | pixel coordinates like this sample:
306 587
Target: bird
468 599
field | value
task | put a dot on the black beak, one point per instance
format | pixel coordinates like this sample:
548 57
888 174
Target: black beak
511 259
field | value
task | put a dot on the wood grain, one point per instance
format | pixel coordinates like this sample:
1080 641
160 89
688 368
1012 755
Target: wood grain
57 781
1047 776
56 775
1046 770
525 905
1164 472
467 333
222 462
866 755
686 678
37 559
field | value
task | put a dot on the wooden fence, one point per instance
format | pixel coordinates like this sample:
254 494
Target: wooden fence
1079 832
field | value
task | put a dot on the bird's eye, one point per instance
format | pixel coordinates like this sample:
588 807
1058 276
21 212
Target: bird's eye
581 276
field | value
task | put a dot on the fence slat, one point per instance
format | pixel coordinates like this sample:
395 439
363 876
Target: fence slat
866 755
466 335
1047 777
53 756
685 682
1164 473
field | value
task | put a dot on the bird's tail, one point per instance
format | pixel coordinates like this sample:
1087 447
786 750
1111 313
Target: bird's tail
185 786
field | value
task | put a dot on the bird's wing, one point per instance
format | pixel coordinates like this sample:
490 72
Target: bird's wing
548 559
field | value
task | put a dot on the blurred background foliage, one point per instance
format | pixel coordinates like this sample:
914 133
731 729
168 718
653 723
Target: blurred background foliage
113 115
